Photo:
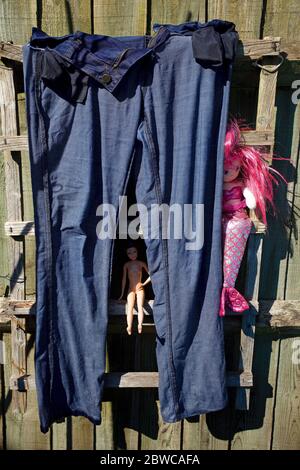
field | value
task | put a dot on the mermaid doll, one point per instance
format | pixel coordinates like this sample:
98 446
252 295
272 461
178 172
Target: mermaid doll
247 185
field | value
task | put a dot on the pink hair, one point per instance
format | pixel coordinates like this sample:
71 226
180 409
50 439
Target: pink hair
255 172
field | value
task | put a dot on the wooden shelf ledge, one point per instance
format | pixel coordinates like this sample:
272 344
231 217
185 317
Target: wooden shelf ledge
133 380
261 138
270 313
26 228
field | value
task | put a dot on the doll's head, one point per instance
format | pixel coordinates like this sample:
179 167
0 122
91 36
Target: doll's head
232 170
132 252
247 163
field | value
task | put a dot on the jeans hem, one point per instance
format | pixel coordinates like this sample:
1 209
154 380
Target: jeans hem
200 411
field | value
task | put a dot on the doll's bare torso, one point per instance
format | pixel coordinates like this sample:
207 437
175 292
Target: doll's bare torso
134 270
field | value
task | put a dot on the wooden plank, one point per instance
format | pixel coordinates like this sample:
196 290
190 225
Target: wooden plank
60 18
266 110
19 228
292 273
290 48
176 11
158 435
60 436
4 241
213 430
248 48
252 430
13 143
119 18
282 18
271 313
20 142
208 432
280 313
131 380
12 180
82 433
104 433
26 228
246 357
27 201
248 25
286 433
18 349
16 20
23 430
3 360
155 434
9 126
256 137
281 251
121 355
10 51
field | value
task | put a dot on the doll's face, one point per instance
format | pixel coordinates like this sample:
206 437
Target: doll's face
132 253
231 171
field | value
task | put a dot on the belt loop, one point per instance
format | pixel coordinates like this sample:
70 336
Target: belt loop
153 41
70 47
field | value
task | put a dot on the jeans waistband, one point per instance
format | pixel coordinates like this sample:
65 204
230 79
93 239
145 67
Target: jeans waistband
106 59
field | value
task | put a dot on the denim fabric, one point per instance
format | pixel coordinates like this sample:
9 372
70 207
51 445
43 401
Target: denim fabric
150 106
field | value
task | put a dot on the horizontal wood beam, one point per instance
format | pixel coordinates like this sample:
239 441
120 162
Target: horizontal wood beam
291 49
133 380
259 138
14 143
18 228
26 227
248 48
271 313
256 138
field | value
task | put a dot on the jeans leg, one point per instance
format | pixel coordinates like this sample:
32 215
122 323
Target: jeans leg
80 158
186 109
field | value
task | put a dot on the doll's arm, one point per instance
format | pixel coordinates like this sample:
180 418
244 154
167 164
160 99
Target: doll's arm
145 267
123 280
250 199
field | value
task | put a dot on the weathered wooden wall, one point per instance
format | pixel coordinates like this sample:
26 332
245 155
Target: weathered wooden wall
131 419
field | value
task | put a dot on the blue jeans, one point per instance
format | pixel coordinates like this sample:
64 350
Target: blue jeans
98 109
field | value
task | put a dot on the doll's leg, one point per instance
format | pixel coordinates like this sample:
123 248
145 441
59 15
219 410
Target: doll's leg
236 235
140 297
236 232
130 306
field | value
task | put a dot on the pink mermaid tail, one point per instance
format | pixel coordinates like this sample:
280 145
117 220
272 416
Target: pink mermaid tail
235 234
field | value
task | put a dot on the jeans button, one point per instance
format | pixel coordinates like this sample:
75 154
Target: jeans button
105 78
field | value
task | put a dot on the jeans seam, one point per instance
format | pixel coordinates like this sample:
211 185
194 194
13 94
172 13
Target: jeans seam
166 265
48 239
118 215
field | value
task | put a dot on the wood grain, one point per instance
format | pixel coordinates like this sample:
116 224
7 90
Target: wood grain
58 18
287 411
247 25
120 18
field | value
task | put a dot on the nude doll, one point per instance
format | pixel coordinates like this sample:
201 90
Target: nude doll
134 270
